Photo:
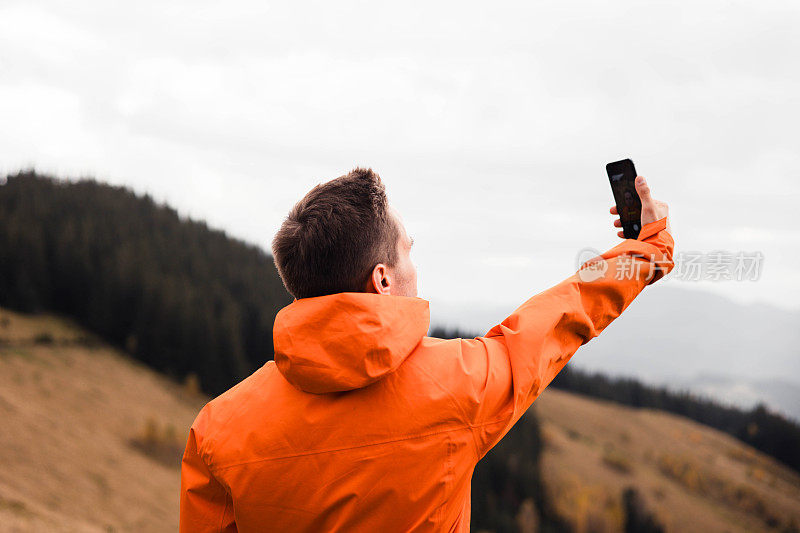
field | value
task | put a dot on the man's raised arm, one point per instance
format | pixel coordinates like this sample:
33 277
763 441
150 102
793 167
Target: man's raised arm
510 366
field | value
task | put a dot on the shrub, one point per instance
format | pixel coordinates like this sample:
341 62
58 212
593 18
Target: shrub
163 444
617 460
44 338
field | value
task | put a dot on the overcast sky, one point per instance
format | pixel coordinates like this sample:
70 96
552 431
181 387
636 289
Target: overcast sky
489 122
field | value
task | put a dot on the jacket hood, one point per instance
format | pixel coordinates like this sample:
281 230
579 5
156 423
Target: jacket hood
347 340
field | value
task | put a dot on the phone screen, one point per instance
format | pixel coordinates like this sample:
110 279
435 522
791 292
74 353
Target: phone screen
622 174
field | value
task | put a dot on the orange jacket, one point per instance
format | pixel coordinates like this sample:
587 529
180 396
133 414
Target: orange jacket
362 423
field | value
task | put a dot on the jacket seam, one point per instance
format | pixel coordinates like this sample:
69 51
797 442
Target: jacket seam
345 448
450 476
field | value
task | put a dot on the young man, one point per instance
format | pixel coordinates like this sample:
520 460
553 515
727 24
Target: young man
362 423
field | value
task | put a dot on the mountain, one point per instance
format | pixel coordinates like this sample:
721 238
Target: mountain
683 338
779 395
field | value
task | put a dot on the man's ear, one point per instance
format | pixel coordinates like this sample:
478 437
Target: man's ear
380 281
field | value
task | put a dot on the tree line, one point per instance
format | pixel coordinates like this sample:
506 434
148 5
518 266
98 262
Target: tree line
764 430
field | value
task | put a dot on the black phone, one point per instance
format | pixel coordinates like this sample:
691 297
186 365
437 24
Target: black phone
622 175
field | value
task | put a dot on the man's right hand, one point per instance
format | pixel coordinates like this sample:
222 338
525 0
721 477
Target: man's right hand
652 209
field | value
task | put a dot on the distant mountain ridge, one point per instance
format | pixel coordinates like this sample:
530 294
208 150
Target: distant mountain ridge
779 395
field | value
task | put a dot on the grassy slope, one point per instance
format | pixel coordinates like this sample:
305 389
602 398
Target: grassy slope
71 406
692 477
69 411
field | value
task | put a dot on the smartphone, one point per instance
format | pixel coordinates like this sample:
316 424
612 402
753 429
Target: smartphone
622 174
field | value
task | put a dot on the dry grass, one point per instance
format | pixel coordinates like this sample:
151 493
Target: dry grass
163 443
94 441
73 409
617 460
692 478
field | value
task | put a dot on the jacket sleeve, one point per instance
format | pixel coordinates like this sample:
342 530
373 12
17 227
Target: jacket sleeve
510 366
205 504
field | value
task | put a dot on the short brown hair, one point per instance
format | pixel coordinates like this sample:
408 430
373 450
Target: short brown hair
333 238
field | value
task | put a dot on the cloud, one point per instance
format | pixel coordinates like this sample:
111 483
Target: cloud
491 124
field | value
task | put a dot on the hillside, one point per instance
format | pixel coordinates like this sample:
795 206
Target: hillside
95 439
72 409
691 477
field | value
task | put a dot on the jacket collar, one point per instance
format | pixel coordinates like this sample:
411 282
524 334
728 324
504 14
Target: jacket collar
347 340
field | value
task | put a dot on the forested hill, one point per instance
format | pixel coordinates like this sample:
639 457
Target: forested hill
179 296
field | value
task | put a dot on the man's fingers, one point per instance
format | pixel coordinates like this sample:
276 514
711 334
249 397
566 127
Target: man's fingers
643 189
621 234
618 223
613 210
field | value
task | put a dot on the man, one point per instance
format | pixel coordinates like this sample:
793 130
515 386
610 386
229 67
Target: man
362 422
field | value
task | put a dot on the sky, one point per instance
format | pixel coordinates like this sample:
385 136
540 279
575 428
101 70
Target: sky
490 122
